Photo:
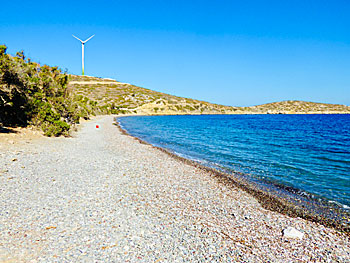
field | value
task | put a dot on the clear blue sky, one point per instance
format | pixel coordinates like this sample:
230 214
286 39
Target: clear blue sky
238 53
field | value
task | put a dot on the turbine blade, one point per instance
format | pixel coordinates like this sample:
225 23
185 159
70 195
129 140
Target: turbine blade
78 39
88 39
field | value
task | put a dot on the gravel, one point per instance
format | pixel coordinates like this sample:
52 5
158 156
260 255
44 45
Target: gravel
102 196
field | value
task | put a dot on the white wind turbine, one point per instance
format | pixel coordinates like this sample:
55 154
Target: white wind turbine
82 51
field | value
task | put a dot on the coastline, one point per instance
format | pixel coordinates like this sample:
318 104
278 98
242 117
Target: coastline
104 196
267 194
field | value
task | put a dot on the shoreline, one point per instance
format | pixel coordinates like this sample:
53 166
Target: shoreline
103 196
308 208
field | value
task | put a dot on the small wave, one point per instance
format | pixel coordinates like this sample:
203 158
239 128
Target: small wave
339 204
189 157
292 167
333 160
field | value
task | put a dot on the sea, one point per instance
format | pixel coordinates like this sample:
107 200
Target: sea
306 155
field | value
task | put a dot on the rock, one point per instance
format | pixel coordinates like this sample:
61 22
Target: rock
291 232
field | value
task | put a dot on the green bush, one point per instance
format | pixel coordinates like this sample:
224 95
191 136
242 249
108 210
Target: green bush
38 95
55 128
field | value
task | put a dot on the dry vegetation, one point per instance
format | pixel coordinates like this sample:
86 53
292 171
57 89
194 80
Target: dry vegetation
295 107
110 96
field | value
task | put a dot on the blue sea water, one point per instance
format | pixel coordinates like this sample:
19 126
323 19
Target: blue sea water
310 153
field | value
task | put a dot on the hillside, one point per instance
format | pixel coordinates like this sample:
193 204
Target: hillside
116 97
111 96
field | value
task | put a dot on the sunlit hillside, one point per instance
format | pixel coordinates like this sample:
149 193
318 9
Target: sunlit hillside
111 96
116 97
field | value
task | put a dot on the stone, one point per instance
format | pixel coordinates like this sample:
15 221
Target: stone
291 232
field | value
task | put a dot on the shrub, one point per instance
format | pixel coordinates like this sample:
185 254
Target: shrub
38 95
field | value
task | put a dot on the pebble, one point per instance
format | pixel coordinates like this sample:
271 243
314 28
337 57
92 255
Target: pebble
291 232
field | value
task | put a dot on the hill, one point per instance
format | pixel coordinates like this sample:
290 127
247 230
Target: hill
116 97
300 107
110 96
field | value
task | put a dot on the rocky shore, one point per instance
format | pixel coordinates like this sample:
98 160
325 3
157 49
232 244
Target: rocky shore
102 196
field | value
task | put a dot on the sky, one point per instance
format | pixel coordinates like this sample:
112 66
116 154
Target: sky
238 53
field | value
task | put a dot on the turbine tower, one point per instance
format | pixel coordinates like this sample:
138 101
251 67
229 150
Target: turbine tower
82 51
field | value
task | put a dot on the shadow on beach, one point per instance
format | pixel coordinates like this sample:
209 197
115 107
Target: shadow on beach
7 130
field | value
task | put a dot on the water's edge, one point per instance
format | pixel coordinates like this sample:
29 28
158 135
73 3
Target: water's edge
274 197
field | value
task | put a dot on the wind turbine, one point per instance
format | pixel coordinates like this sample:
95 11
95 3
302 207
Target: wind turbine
82 51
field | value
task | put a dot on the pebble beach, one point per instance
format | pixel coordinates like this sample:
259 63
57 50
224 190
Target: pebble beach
102 196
